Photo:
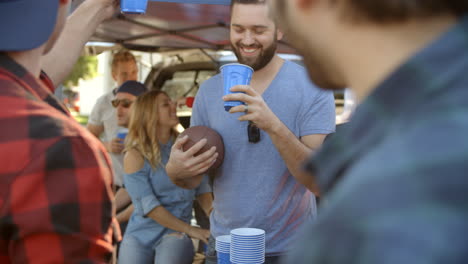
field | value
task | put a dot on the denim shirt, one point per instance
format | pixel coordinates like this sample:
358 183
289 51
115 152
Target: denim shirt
150 188
395 180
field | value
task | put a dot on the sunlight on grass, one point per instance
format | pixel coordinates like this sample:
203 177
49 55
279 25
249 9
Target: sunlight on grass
82 119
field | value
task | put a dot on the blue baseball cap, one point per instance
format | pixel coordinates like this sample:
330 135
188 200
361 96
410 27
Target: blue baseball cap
132 87
26 24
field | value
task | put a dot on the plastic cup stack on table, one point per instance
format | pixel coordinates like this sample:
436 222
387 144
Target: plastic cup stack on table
223 247
247 246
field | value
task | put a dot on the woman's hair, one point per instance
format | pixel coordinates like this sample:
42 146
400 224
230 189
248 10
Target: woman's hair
142 130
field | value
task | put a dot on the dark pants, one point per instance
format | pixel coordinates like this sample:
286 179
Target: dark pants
203 221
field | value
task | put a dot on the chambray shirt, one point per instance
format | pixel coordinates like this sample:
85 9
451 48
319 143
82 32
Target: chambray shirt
396 179
150 188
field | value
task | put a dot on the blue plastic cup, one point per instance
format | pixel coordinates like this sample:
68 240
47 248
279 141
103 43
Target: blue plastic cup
235 74
133 6
122 133
223 258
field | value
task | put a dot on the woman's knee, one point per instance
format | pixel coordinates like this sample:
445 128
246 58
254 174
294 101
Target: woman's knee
175 248
132 251
176 240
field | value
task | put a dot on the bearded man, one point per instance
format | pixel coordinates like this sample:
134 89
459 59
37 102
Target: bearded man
394 180
260 184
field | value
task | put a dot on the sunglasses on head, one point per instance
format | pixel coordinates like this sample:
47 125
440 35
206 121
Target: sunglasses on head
253 132
125 103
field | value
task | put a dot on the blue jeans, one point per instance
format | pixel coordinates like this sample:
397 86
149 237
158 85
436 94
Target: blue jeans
174 248
211 257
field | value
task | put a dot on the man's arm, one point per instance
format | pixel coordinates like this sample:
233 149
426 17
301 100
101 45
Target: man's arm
122 199
124 206
184 168
294 151
80 25
96 130
125 215
206 201
113 146
58 220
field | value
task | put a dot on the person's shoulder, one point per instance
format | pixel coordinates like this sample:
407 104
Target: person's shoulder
10 89
59 138
133 161
294 68
297 74
294 72
214 81
105 98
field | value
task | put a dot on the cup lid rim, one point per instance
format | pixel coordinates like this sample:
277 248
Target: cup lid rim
238 64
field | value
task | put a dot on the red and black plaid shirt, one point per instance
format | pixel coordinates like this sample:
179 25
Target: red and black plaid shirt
55 178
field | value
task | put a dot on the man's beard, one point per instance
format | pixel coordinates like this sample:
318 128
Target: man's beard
259 62
317 65
320 72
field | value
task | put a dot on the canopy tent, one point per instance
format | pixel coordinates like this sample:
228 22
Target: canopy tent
173 24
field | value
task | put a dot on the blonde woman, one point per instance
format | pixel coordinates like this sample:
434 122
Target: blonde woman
159 230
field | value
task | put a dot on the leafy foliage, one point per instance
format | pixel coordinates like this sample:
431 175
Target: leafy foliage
85 68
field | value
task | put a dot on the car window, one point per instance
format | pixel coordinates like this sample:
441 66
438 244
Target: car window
185 84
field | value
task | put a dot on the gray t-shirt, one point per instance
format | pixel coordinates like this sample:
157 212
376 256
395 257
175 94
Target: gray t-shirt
104 114
253 187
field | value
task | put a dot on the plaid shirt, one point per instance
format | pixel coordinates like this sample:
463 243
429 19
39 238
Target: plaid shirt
55 178
396 179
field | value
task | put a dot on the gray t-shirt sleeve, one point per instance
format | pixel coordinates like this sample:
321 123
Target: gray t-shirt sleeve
96 116
199 117
204 186
317 114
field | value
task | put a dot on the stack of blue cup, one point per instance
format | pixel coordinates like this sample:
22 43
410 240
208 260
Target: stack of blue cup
223 247
247 246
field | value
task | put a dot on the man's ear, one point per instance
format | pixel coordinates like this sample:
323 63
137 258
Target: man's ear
279 34
114 75
303 4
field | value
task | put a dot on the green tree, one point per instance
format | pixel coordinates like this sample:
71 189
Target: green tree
85 68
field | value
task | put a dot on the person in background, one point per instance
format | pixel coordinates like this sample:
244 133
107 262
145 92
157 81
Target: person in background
55 178
285 118
125 95
103 117
159 230
103 122
394 181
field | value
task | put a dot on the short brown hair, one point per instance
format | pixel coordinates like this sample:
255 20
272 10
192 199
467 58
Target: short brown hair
253 2
248 2
389 11
121 56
